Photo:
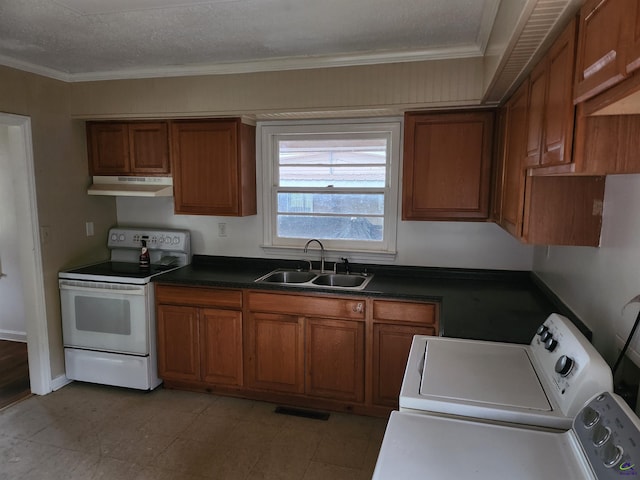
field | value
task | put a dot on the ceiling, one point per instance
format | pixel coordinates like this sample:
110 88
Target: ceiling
78 40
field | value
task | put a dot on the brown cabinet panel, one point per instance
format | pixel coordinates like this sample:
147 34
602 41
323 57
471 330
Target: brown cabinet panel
221 352
603 34
274 356
633 48
307 305
335 359
178 343
559 111
108 148
538 82
512 208
391 345
564 210
149 147
410 312
128 148
447 165
199 296
214 167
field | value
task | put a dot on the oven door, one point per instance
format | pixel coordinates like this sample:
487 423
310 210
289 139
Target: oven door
106 316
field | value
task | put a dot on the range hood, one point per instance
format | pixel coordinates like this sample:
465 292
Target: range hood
132 186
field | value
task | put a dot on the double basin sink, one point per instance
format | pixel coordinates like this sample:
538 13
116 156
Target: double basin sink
296 278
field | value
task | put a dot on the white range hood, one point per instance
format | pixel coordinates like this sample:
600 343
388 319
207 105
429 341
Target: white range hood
132 186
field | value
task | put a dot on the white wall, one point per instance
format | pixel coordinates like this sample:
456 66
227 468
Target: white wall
596 283
435 244
12 313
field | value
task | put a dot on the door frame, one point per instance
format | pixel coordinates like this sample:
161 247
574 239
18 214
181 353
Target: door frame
30 251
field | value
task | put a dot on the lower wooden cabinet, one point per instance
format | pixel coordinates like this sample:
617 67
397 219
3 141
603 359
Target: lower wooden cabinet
289 348
312 350
335 359
394 325
221 338
178 343
275 352
197 342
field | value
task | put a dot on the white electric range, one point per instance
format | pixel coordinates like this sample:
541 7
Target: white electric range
544 383
108 311
603 444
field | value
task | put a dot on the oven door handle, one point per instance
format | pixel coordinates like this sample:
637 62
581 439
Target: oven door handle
102 288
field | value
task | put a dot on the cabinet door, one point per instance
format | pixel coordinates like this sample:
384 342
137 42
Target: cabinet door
335 359
149 147
447 165
275 352
513 170
391 345
633 49
538 82
178 343
559 111
221 346
205 166
108 148
600 61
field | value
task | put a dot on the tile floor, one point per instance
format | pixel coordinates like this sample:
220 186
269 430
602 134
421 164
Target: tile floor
84 432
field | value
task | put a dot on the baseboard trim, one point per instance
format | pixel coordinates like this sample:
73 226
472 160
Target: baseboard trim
13 336
59 382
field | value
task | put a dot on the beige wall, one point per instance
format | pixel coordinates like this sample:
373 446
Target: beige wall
391 88
61 182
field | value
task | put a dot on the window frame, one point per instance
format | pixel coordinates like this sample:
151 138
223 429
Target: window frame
270 132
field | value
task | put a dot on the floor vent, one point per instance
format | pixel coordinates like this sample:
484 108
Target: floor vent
299 412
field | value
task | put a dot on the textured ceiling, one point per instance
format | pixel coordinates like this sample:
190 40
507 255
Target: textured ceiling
91 39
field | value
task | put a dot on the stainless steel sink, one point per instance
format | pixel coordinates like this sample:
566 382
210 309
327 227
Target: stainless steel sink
287 276
315 279
339 280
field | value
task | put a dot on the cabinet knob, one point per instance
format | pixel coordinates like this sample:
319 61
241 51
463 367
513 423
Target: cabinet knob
358 307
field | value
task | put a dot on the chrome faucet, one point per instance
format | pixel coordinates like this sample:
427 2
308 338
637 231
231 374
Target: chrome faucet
321 252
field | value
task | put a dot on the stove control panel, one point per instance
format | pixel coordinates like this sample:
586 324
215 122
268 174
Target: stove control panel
571 366
609 433
169 240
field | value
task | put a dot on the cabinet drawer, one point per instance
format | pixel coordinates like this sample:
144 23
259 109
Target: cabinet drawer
410 312
311 306
200 296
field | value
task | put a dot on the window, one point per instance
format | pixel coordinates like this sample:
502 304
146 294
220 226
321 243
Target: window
336 182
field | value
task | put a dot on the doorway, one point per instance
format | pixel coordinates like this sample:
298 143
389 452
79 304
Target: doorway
22 262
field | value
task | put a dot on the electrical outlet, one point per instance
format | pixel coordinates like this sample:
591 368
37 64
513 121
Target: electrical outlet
222 229
89 229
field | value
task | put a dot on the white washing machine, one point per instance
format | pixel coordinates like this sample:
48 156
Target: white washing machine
603 444
542 384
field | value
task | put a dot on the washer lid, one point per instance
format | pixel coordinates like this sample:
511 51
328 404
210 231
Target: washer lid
493 374
435 448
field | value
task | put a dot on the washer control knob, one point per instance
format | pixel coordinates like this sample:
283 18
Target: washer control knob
564 365
546 336
541 329
589 417
612 454
600 435
551 344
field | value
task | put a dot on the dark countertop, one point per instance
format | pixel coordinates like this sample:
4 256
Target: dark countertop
496 305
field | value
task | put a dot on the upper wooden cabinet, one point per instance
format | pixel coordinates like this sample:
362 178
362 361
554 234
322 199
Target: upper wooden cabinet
633 46
394 325
511 162
128 148
546 210
214 167
550 109
447 165
604 35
